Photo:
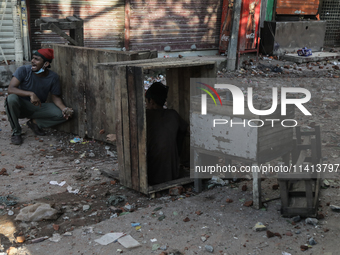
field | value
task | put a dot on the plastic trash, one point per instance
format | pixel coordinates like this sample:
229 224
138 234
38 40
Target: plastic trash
37 212
304 52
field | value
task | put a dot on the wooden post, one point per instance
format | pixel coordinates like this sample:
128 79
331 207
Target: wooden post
232 48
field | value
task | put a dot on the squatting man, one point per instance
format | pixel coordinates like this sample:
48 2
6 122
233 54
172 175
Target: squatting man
28 91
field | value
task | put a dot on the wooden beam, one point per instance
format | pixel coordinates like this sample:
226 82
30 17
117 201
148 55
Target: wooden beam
61 25
57 30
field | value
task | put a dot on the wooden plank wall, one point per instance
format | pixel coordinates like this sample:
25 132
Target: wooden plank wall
89 90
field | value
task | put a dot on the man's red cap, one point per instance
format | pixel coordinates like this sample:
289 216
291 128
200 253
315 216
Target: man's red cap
46 54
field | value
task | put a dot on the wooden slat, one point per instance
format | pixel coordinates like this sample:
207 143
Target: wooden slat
78 84
141 131
170 184
126 177
61 25
118 80
172 80
133 126
57 30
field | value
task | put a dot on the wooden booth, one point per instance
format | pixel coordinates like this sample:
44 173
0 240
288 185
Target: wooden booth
88 90
128 82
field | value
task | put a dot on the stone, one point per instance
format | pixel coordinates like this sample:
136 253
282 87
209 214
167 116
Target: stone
203 238
209 248
259 227
311 241
296 218
298 232
229 200
86 208
311 221
186 219
55 227
163 247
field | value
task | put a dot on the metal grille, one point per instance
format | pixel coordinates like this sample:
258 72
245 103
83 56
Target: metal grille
330 11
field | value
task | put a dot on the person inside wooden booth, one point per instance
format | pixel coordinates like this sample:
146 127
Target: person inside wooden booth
28 91
165 134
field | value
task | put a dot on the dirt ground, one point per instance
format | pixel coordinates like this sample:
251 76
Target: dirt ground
185 224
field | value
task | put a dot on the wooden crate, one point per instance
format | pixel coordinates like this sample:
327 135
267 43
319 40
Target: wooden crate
88 90
300 191
128 81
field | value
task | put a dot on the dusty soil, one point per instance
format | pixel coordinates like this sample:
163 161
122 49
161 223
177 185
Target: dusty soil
191 220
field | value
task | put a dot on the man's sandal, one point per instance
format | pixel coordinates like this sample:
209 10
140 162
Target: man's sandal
35 128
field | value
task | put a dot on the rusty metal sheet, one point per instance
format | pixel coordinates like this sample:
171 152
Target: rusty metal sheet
103 21
297 7
156 24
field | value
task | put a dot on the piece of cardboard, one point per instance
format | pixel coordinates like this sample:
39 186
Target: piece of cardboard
108 238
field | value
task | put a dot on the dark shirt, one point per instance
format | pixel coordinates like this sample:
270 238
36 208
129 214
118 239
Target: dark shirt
41 86
165 134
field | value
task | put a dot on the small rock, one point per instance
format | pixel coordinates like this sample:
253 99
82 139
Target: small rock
311 241
209 248
296 218
163 247
326 183
289 234
259 227
77 161
203 238
298 232
55 238
229 200
311 221
86 207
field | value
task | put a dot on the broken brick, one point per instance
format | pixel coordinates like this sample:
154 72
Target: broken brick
198 212
229 200
55 227
186 219
304 247
270 234
19 167
248 203
176 191
3 171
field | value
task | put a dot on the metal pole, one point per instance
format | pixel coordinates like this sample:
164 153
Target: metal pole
25 37
232 48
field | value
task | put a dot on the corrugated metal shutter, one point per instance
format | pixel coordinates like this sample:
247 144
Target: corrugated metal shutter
7 30
297 7
330 11
103 21
155 24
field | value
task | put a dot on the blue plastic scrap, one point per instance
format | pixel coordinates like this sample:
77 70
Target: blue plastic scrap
304 52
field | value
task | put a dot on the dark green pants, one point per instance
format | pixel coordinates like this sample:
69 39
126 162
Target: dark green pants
17 108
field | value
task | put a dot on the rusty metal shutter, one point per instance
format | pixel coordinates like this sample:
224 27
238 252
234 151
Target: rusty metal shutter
155 24
330 11
103 21
297 7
